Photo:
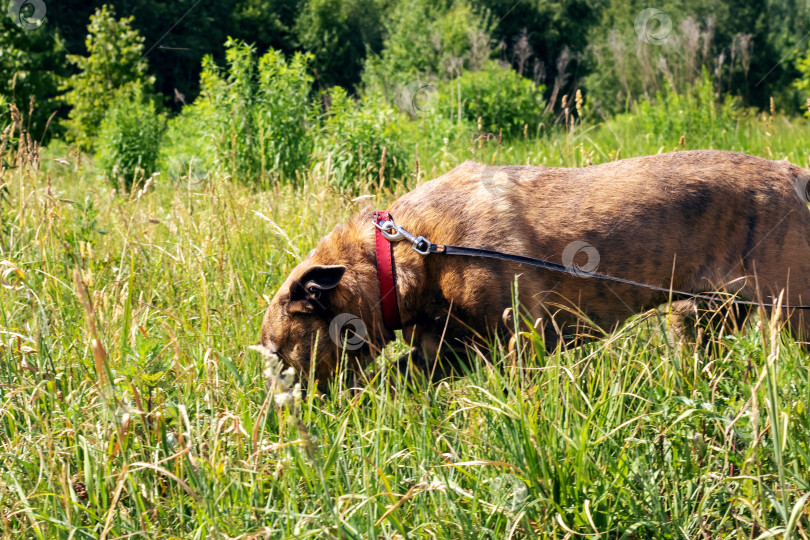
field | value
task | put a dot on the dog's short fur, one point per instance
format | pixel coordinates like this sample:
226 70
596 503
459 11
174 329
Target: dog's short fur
696 221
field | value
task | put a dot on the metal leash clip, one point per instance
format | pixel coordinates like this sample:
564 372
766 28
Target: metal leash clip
390 231
394 233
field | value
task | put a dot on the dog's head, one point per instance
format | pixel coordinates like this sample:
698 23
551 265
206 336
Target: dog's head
328 308
296 323
325 310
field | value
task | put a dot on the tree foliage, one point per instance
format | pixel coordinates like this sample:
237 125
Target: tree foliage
338 33
752 50
30 72
115 63
748 46
429 40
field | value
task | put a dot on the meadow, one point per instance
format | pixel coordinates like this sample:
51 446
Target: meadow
131 405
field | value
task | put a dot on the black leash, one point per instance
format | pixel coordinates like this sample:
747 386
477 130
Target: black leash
423 246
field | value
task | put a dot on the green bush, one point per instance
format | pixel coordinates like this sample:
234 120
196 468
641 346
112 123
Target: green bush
283 112
189 141
498 95
129 139
802 84
250 121
115 64
353 137
690 113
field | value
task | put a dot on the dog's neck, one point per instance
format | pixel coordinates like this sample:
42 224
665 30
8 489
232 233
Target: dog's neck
353 245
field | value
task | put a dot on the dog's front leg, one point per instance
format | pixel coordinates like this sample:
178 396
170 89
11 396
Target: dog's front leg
429 356
414 358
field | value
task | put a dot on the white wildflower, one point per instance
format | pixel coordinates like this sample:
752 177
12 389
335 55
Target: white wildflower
280 380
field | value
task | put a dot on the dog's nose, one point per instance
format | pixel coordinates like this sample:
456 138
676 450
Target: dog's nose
264 349
270 346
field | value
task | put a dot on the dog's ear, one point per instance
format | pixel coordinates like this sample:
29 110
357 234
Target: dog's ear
307 295
323 277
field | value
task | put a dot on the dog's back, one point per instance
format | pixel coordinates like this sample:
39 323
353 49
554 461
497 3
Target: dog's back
697 221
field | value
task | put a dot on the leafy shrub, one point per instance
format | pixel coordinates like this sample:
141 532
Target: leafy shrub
429 136
115 64
802 84
189 141
498 95
354 137
249 121
694 111
283 112
129 139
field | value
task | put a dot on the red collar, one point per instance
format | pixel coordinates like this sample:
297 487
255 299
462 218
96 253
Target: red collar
386 275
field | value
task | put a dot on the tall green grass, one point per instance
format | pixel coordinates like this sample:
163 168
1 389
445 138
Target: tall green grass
131 405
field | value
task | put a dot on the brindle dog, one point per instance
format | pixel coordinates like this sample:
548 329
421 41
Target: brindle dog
694 221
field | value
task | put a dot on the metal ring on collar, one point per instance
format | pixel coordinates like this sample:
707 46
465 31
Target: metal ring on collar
390 231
